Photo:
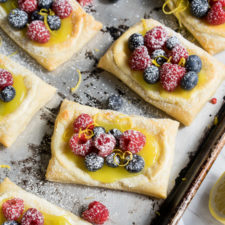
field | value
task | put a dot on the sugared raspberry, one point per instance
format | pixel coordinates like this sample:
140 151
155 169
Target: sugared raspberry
170 76
105 143
28 5
62 8
156 38
37 31
82 122
216 14
132 140
85 2
6 78
96 213
140 59
80 145
32 216
13 209
177 53
212 2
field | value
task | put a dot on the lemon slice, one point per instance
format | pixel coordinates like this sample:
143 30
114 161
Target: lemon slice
217 200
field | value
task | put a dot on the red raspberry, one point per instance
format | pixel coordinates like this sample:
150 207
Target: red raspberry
80 145
214 101
133 141
32 216
177 53
96 213
84 2
13 209
82 122
6 78
37 31
156 38
170 75
140 59
28 5
212 2
216 14
105 143
62 8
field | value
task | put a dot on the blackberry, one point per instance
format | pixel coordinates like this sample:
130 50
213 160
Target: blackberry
7 94
18 18
199 8
151 74
93 162
117 134
136 165
193 63
46 4
98 130
135 40
156 55
36 16
115 102
54 22
189 80
172 42
112 160
11 222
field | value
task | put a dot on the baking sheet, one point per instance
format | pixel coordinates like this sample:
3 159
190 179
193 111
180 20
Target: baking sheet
29 155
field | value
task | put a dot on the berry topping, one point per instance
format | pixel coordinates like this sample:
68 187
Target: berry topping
213 101
189 80
84 2
62 8
115 102
12 209
94 162
170 76
3 1
36 16
140 59
135 40
11 222
178 53
7 94
193 63
6 78
157 56
98 130
172 42
215 1
28 5
37 31
54 22
45 4
216 14
199 8
117 134
82 122
96 213
136 165
32 216
80 145
105 143
151 74
18 18
112 160
156 38
133 141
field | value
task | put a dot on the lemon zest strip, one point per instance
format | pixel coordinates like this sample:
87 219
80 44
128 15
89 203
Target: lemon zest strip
122 155
216 121
182 62
78 82
154 61
5 166
144 25
12 54
44 13
180 7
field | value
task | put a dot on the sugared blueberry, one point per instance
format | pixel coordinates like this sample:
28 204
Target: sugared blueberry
199 8
93 162
172 42
36 16
151 74
7 94
3 1
10 222
46 4
136 165
189 80
54 22
159 55
112 160
18 18
98 130
135 40
193 63
115 102
117 134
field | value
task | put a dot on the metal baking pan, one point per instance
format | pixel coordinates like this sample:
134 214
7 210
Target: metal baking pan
196 148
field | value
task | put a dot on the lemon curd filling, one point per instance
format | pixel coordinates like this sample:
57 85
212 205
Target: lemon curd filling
150 152
9 107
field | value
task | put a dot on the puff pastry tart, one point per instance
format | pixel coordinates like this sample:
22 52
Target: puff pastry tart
51 32
164 69
21 206
109 149
20 98
204 19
